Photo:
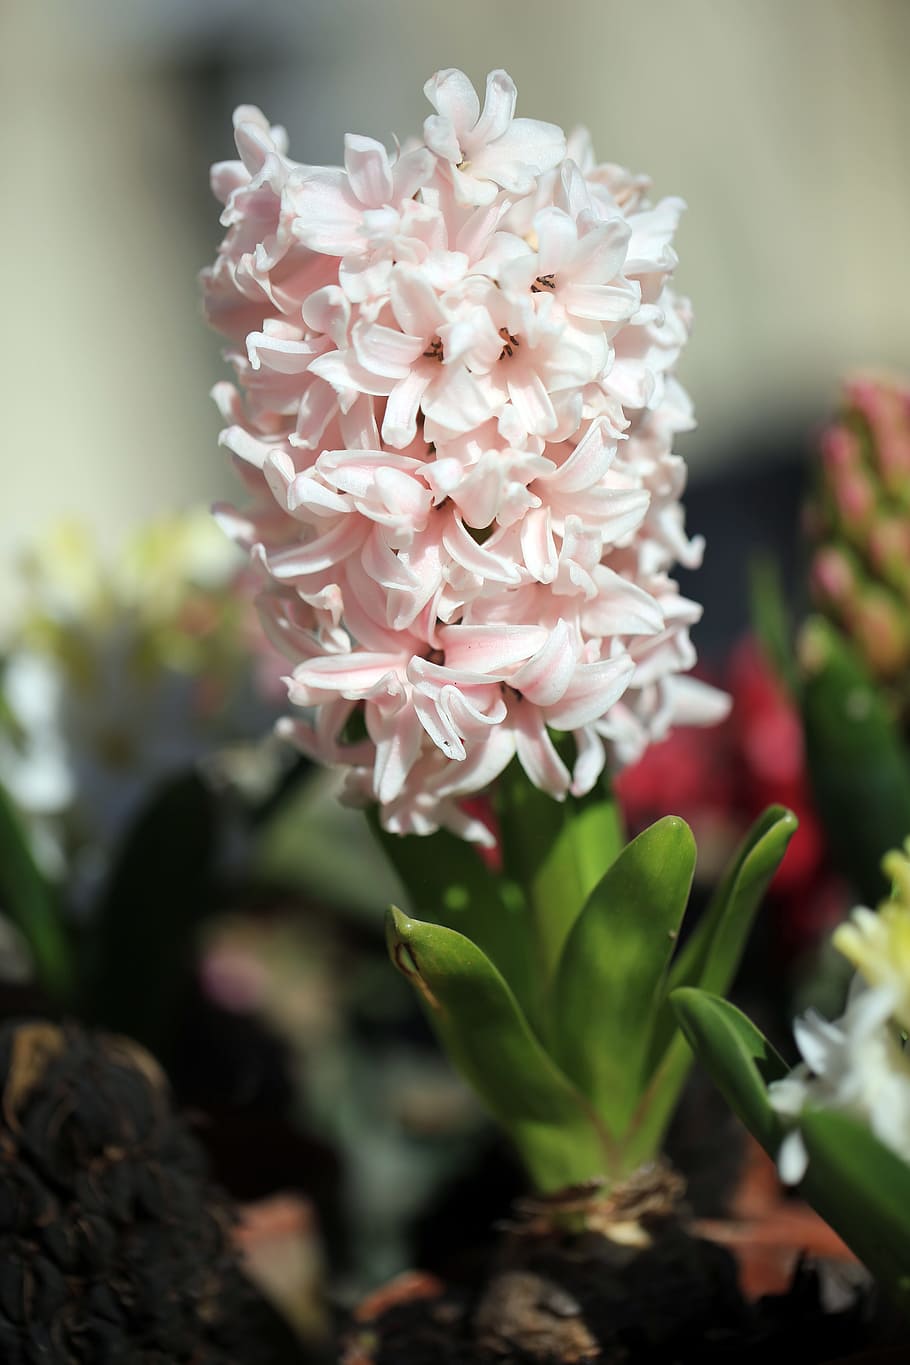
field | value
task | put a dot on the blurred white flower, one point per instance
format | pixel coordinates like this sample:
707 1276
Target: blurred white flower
119 674
856 1066
859 1064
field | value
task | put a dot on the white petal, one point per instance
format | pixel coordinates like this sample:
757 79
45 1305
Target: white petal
793 1158
498 108
453 96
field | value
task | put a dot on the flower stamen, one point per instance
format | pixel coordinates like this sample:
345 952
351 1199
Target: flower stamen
511 343
543 282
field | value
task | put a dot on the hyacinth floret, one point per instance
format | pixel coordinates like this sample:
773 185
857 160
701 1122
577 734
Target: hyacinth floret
454 416
859 1064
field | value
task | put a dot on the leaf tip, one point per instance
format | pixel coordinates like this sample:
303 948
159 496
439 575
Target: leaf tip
400 930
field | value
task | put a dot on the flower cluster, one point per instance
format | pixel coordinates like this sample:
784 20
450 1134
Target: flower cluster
455 418
859 520
120 671
858 1064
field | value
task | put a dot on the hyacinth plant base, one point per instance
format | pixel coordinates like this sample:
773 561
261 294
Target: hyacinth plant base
550 1299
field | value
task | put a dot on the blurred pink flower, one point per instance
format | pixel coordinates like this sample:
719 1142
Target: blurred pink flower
455 421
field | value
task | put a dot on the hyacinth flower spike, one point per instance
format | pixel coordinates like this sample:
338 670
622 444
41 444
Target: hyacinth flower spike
850 671
454 417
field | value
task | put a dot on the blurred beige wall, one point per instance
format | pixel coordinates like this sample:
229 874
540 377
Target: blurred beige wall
104 361
785 126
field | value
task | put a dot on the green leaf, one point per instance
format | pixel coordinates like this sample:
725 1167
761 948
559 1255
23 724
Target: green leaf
858 762
854 1182
447 882
32 905
738 1057
309 841
484 1031
712 954
862 1189
611 976
557 851
159 890
709 960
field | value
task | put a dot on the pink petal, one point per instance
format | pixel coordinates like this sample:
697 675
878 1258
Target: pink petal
537 545
590 760
397 738
601 252
498 108
353 675
298 561
490 649
399 423
557 237
532 403
475 558
414 302
536 751
453 96
543 680
385 351
367 164
588 462
601 302
593 690
327 217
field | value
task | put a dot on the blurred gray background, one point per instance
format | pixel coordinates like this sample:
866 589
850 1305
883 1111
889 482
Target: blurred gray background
784 125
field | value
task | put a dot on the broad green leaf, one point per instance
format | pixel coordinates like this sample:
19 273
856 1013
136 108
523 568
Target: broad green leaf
858 761
862 1189
159 890
709 960
610 980
557 851
485 1033
448 883
738 1057
712 954
32 905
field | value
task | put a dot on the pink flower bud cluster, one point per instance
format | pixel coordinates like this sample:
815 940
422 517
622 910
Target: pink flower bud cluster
454 415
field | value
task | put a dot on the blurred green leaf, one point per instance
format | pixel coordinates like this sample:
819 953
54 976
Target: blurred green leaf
738 1057
858 762
862 1189
557 851
33 906
612 973
159 890
310 842
771 620
487 1036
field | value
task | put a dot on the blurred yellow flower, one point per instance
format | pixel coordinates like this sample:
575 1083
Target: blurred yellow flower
877 942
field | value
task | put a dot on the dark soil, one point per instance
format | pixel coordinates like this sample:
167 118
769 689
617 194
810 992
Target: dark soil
563 1301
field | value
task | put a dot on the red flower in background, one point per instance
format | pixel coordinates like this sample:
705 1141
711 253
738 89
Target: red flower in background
720 779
